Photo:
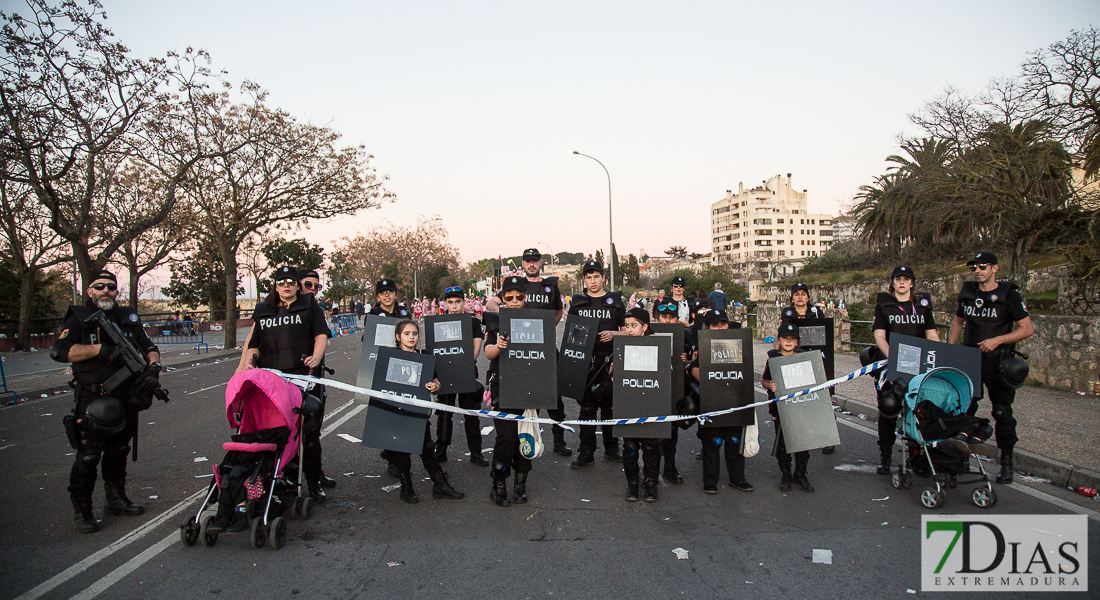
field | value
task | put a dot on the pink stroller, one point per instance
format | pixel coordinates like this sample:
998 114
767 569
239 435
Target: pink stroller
266 413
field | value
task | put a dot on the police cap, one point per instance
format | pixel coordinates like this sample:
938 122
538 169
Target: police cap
678 281
592 265
667 305
788 329
105 275
285 272
903 272
715 317
454 292
532 255
308 273
385 285
983 258
800 286
514 283
638 314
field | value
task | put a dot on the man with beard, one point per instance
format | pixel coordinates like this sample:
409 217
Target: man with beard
541 293
102 426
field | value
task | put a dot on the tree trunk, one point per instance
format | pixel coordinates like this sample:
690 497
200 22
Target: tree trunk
131 265
1019 266
26 306
229 262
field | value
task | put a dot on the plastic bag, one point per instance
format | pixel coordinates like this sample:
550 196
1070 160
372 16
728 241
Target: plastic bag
530 442
752 438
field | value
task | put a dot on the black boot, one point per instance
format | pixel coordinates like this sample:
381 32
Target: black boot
82 514
785 480
612 452
440 453
479 459
801 479
650 489
392 469
631 490
326 481
1005 476
520 488
671 473
499 493
886 461
315 490
584 458
560 448
442 487
118 503
408 494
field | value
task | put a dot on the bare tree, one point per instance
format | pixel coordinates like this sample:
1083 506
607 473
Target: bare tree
416 252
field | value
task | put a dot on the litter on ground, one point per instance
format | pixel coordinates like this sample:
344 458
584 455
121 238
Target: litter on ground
824 557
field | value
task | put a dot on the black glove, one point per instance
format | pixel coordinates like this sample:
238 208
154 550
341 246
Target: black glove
110 354
147 381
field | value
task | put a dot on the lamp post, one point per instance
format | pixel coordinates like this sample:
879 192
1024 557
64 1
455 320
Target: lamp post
416 261
610 231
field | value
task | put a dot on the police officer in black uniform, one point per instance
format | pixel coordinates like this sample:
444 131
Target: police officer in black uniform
687 399
386 304
800 306
541 293
290 334
455 298
102 426
986 313
310 283
904 312
608 308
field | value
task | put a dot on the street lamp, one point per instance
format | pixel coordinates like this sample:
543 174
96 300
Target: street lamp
610 234
416 262
551 254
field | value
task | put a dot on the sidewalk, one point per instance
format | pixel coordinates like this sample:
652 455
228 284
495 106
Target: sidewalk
1059 431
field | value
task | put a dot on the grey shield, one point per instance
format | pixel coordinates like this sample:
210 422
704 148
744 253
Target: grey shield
807 421
910 356
575 357
675 332
642 384
726 375
450 338
377 332
818 334
391 425
529 366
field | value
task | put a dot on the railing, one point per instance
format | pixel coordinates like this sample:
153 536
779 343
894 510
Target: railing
176 332
865 344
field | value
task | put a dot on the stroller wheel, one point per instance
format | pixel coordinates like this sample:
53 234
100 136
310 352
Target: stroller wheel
208 539
895 480
278 533
932 498
189 531
983 497
307 508
295 509
257 534
902 480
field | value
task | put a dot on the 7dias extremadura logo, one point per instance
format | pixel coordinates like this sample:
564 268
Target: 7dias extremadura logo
1008 553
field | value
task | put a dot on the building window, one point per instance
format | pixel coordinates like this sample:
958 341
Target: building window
779 221
782 253
779 242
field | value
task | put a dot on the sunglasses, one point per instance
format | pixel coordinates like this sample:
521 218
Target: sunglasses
286 282
309 285
453 290
677 285
978 268
99 287
667 308
513 297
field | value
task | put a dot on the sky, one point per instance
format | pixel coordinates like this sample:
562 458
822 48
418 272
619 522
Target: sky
471 108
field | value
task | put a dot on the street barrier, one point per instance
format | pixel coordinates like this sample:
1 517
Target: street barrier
177 332
345 324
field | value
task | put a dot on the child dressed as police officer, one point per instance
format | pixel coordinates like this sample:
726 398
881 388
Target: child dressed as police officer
636 324
788 339
667 311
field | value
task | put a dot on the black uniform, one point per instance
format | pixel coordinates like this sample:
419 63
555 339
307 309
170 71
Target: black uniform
506 454
913 317
283 335
468 400
988 315
802 458
668 445
399 311
611 313
546 295
88 377
724 440
403 460
790 314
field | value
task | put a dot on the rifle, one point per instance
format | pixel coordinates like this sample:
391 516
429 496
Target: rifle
133 359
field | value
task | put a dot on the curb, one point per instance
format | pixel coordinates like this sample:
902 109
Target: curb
1059 473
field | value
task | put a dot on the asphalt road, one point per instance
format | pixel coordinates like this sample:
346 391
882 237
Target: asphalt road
575 538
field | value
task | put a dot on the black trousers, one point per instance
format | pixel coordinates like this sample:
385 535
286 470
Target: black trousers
444 424
887 426
668 445
95 452
597 404
1001 398
558 414
506 447
801 459
650 449
727 440
311 437
403 460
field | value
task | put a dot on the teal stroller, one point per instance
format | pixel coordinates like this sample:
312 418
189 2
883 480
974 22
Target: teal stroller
934 421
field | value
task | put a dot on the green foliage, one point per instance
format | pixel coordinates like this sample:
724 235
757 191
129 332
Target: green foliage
52 295
297 252
198 281
630 272
861 332
569 258
704 279
340 284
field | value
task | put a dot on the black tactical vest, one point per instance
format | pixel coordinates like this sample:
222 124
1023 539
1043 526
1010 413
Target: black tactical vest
96 369
986 313
913 317
285 334
608 309
541 294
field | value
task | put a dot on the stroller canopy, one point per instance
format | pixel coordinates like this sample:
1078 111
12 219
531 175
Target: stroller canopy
946 387
263 401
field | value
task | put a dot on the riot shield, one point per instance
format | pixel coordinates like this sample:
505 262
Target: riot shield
378 332
807 421
674 332
910 356
575 357
528 368
642 384
450 339
817 334
390 425
726 375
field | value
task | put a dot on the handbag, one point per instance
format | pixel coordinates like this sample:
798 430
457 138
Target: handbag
752 439
530 441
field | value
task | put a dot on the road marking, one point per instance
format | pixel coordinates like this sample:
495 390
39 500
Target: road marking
128 567
350 438
344 419
207 388
332 413
121 543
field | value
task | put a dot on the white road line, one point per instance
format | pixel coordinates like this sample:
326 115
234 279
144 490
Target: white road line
344 419
128 567
208 388
121 543
332 413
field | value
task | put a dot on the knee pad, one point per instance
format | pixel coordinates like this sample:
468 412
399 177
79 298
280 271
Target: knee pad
889 405
89 458
1001 411
117 451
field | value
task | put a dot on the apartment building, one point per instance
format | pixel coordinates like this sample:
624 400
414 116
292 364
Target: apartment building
767 232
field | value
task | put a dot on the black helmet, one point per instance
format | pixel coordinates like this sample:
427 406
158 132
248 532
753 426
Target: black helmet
1014 372
889 402
870 354
311 406
106 415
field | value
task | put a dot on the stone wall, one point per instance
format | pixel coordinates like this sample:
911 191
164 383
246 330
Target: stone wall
1064 353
